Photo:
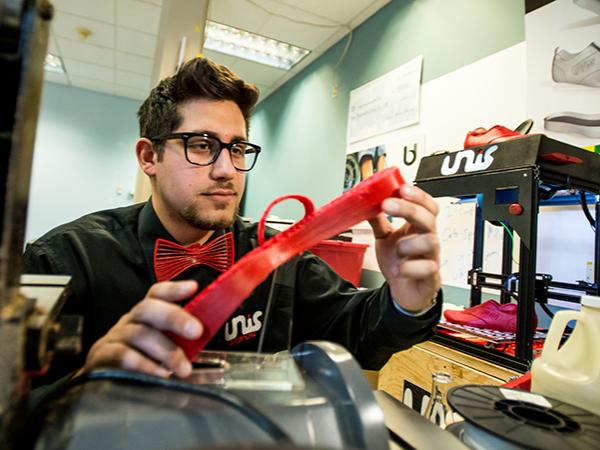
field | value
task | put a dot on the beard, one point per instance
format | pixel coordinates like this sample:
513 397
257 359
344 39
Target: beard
194 217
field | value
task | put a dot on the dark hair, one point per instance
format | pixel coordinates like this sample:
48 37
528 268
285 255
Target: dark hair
197 78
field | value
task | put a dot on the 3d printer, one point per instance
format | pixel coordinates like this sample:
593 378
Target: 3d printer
512 178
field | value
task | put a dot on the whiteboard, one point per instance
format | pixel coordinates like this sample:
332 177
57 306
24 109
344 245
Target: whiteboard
456 231
386 103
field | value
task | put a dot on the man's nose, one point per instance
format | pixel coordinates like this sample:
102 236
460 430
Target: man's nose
223 166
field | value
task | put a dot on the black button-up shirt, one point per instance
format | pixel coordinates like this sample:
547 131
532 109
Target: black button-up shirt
109 255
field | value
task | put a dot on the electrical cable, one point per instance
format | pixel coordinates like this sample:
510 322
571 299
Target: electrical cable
507 288
586 211
512 238
346 47
319 25
273 430
550 314
342 57
302 22
547 310
268 309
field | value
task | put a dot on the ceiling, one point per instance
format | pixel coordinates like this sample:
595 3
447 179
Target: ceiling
133 43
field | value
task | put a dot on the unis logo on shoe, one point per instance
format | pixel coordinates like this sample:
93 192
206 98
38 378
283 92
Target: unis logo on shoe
474 161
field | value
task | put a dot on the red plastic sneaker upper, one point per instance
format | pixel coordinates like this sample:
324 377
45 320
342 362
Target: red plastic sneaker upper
481 136
489 314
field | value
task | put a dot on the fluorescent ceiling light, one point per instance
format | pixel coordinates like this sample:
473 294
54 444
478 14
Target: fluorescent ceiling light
53 63
243 44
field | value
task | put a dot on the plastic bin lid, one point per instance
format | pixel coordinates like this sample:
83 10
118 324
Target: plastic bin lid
590 300
331 242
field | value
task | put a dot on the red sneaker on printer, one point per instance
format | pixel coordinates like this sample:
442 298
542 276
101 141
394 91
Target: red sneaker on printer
489 314
498 133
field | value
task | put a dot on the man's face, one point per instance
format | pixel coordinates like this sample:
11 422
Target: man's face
205 197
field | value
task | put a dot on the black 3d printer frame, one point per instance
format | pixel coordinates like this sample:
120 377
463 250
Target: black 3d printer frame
520 165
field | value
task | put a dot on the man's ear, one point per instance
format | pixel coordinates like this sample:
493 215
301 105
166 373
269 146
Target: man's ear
146 156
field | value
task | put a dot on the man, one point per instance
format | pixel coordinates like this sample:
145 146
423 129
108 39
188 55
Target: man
193 146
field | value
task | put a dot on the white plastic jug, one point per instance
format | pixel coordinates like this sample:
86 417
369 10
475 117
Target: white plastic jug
572 373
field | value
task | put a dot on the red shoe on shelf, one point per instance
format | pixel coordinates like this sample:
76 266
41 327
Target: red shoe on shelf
489 314
498 133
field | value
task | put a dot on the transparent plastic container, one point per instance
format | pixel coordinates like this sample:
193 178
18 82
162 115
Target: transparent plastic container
571 373
436 410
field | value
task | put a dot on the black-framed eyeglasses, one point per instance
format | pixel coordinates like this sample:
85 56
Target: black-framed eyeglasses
203 149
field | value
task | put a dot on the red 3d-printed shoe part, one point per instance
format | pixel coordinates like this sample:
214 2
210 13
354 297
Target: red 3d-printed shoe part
489 314
215 304
481 136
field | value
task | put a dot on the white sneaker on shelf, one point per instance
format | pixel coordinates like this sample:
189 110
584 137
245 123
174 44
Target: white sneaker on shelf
572 122
592 5
577 68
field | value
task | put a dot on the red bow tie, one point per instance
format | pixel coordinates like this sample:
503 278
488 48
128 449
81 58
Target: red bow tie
171 259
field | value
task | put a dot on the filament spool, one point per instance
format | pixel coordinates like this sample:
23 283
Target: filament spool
510 419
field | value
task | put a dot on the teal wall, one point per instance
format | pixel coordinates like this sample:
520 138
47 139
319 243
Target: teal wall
84 150
302 128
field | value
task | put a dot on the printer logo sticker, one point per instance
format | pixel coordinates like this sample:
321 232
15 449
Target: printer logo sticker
474 161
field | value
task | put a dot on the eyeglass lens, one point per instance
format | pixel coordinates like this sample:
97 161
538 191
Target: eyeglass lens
205 150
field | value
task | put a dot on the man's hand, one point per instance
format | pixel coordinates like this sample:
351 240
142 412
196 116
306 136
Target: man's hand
409 256
136 342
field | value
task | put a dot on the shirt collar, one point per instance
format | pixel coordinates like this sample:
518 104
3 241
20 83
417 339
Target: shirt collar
149 230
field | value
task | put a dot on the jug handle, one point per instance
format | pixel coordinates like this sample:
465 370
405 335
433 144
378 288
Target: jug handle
557 327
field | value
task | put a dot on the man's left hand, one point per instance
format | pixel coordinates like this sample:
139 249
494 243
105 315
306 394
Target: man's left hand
409 256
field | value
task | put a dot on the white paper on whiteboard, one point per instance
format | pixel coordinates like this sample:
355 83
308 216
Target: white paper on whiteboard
386 103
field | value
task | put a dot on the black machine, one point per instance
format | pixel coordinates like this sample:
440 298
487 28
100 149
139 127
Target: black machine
27 327
312 397
513 178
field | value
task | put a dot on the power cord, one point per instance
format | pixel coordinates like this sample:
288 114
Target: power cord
586 211
550 314
335 68
291 19
318 25
512 238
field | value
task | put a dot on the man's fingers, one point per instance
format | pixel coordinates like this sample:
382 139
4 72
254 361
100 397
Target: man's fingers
420 197
137 341
419 269
381 227
156 312
415 214
166 317
155 345
418 244
117 354
415 205
173 291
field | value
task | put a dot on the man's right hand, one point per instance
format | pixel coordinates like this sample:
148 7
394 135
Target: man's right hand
136 342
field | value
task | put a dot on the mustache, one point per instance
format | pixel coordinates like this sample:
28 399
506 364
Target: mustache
218 186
